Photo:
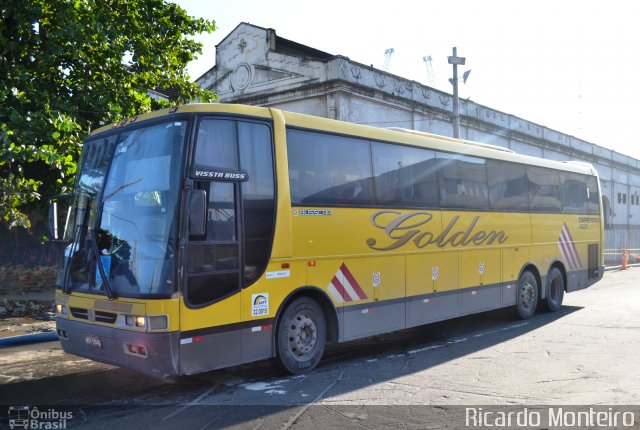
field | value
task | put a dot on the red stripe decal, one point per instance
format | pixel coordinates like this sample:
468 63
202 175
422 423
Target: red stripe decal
338 286
566 230
568 248
354 284
566 254
574 250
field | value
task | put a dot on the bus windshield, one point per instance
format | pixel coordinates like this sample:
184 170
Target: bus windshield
122 233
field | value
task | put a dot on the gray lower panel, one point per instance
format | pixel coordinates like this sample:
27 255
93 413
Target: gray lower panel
599 276
372 318
509 290
212 351
432 308
224 349
480 299
257 345
578 280
161 348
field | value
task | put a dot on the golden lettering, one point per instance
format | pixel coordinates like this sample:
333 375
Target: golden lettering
399 228
414 226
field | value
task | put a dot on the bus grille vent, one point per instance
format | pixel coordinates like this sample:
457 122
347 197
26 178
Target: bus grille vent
593 261
98 316
80 313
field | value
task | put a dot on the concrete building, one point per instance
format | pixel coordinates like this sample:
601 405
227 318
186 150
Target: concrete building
257 67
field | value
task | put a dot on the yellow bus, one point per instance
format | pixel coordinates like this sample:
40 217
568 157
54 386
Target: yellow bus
210 235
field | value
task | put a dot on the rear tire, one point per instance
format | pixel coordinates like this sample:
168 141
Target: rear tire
555 290
301 336
527 295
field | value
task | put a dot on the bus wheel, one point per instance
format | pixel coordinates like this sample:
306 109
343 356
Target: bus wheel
301 336
527 299
555 290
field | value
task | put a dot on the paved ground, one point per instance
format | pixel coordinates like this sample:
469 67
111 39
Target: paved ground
588 353
18 326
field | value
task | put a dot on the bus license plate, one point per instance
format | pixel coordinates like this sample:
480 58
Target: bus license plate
93 341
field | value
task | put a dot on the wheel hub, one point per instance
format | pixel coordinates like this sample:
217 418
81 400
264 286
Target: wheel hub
303 335
527 293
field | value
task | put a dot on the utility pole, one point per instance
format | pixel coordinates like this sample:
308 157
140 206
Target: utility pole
455 60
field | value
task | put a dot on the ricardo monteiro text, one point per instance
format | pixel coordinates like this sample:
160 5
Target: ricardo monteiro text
552 417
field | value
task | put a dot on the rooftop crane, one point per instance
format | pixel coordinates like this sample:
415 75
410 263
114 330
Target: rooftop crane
387 58
430 73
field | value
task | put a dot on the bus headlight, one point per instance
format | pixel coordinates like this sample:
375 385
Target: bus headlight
151 322
61 309
140 321
135 321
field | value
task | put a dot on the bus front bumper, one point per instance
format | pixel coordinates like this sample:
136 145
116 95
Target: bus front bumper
155 354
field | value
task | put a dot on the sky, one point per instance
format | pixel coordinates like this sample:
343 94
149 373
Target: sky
568 65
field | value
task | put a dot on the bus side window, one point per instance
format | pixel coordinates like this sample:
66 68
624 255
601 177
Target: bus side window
593 198
508 186
404 177
213 264
258 197
574 193
216 144
463 181
544 186
330 169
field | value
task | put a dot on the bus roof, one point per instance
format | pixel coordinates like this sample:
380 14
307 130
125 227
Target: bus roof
233 109
431 141
393 135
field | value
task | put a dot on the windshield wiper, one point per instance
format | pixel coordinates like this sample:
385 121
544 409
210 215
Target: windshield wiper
120 188
69 260
100 266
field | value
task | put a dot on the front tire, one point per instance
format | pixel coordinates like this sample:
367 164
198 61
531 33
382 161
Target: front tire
301 336
528 293
555 290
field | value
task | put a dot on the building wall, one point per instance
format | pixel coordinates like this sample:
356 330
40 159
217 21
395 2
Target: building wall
255 66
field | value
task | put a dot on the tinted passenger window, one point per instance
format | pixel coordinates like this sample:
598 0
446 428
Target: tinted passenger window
544 186
256 157
463 182
216 144
328 169
405 176
508 186
574 193
593 197
236 248
213 268
221 216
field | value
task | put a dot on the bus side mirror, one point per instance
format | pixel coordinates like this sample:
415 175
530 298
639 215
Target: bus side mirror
59 213
197 212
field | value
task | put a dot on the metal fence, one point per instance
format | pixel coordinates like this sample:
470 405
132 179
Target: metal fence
616 257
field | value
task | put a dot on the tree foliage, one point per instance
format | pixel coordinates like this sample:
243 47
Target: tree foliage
69 66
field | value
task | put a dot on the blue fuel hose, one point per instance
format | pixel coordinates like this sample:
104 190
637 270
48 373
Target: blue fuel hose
28 338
